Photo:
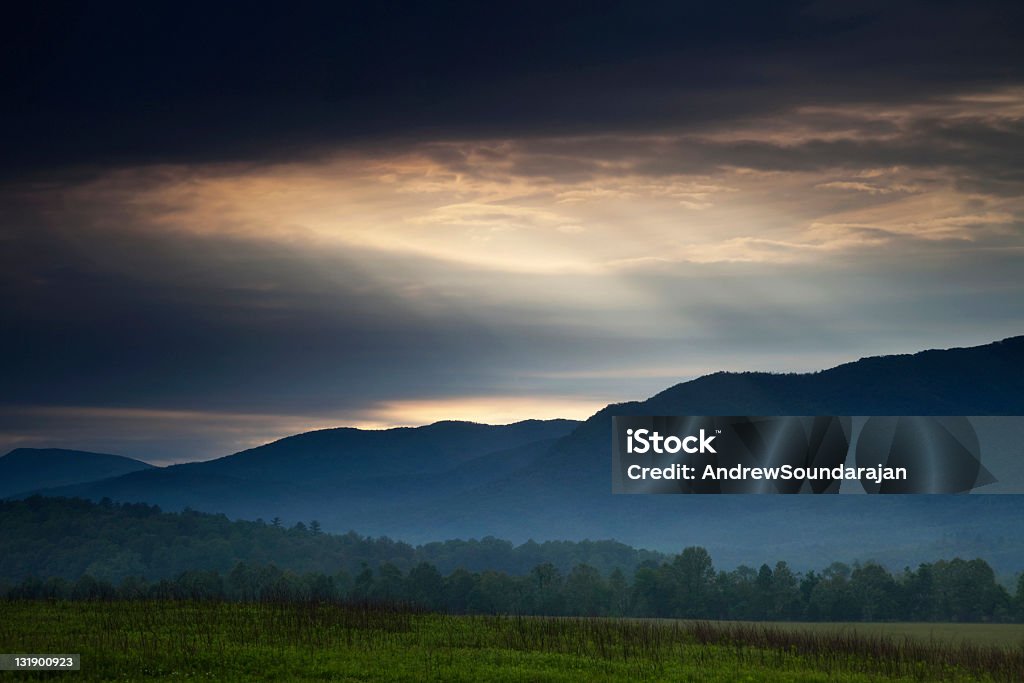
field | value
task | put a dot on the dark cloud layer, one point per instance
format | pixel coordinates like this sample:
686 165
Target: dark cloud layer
124 83
221 224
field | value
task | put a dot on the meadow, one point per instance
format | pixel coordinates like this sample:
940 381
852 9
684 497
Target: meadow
180 640
1007 635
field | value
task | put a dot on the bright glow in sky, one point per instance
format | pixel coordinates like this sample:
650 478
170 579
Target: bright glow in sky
502 279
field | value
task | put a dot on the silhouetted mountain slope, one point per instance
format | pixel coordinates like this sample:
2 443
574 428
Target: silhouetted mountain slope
983 380
351 454
552 481
566 493
342 477
24 470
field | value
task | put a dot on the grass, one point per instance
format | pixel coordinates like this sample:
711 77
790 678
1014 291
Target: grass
320 642
1007 635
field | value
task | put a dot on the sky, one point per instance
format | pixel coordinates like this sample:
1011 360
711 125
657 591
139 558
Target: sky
224 225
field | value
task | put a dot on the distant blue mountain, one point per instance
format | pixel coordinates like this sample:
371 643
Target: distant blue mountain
341 476
567 492
25 470
551 480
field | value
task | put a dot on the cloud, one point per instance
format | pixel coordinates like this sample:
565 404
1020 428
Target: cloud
106 86
855 186
480 224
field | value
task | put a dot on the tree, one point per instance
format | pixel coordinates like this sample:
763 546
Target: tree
693 574
737 592
586 592
967 590
807 585
1020 597
618 588
763 593
426 586
319 587
457 588
389 584
919 593
494 594
200 585
314 528
545 575
88 588
876 591
832 599
363 587
116 566
648 596
785 593
241 583
546 582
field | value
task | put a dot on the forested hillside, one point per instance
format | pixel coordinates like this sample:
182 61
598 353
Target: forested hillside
54 548
68 538
25 470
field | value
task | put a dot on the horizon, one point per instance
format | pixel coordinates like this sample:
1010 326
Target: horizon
420 214
7 449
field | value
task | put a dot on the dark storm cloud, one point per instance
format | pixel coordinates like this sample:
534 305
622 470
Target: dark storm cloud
530 202
127 83
206 322
101 309
121 338
976 148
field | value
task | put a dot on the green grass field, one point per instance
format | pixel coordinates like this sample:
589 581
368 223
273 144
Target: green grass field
1006 635
322 642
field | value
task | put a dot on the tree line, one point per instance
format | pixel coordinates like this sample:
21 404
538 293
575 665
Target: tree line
70 548
69 538
686 586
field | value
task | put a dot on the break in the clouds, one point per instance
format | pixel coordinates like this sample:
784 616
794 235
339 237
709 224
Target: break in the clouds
201 253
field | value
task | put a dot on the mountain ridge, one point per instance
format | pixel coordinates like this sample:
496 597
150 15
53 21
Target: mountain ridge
558 486
25 470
